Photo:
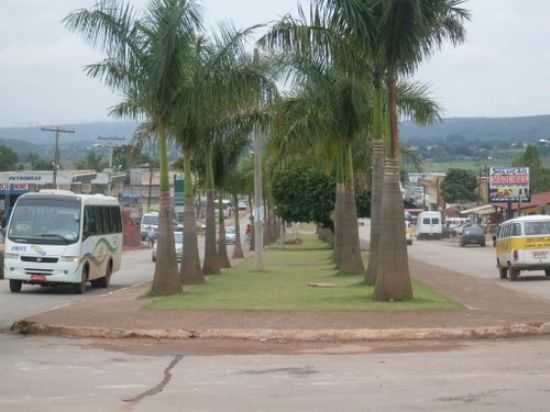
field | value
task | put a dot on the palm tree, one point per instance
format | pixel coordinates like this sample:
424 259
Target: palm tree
228 151
365 37
331 108
237 183
221 91
146 58
406 32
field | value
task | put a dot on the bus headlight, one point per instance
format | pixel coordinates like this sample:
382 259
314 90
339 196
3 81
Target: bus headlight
70 259
11 256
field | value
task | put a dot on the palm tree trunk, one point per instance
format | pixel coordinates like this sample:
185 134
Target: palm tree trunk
253 232
376 210
222 247
211 264
150 188
351 259
166 280
377 181
267 226
190 269
393 280
338 210
238 248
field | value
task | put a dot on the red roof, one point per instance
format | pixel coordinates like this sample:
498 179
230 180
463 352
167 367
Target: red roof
538 199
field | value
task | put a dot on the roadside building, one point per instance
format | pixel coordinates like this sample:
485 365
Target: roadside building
425 189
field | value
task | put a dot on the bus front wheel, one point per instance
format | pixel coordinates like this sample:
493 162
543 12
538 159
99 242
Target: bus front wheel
15 286
80 288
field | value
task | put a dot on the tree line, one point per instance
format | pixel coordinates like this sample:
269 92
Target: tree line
346 65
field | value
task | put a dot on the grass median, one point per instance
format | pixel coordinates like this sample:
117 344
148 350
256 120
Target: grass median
285 286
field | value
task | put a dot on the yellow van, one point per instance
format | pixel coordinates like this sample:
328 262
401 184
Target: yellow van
523 244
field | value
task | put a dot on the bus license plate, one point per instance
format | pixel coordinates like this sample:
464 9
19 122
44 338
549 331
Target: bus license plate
38 278
540 255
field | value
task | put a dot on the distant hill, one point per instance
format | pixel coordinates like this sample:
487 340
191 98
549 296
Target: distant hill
22 149
524 129
513 129
86 133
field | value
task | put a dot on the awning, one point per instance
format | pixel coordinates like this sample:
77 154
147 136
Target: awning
480 210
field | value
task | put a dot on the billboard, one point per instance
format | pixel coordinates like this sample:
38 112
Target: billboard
509 184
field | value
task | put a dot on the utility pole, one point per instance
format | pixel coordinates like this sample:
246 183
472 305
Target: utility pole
58 131
110 143
258 202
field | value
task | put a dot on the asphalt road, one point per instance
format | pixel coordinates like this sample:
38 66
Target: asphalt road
477 262
136 268
46 374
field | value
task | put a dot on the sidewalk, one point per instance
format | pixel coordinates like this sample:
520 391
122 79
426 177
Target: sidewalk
122 314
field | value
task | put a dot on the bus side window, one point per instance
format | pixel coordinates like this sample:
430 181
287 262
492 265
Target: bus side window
99 220
90 222
116 219
106 216
517 229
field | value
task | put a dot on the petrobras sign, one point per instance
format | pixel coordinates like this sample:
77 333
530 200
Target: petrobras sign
509 184
29 179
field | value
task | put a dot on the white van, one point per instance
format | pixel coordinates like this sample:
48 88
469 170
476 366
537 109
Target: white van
149 223
429 226
58 237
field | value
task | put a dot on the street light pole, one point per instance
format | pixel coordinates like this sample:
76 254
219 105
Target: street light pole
110 144
58 131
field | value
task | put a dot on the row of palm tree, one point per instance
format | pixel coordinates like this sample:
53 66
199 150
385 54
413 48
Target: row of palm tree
187 86
347 61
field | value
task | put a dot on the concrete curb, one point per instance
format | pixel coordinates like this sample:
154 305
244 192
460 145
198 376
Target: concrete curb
289 335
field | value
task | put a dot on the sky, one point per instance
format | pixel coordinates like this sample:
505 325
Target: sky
502 70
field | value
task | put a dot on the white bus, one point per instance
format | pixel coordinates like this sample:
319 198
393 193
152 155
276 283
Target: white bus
57 237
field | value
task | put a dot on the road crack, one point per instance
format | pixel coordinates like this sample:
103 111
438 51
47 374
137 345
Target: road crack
161 386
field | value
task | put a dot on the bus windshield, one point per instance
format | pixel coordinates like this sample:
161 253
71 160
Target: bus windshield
46 221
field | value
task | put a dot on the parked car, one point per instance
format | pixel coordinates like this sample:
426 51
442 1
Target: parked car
178 237
473 235
242 206
230 235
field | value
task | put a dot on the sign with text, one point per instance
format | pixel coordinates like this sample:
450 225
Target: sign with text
509 184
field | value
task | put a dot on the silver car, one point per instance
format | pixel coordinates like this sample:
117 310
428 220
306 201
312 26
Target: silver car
178 237
230 235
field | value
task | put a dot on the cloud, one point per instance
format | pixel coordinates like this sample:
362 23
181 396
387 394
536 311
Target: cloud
502 70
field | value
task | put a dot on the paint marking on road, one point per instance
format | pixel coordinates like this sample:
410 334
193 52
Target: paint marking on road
470 307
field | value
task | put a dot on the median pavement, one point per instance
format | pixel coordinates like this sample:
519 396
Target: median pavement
485 310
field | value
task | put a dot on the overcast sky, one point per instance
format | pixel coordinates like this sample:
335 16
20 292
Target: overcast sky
502 70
